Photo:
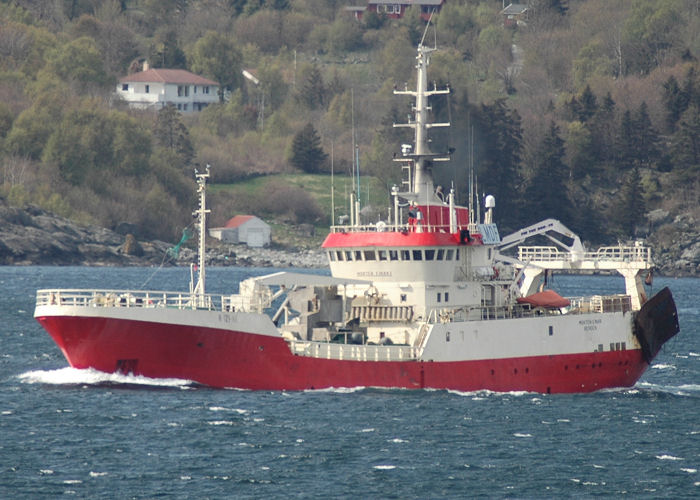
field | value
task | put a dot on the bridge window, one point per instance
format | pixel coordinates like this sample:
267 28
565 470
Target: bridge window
429 254
450 253
370 255
381 254
348 255
331 256
439 297
393 255
457 254
440 254
447 296
358 254
405 255
418 255
340 256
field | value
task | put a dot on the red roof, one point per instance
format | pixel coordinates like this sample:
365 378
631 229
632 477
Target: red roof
238 220
179 76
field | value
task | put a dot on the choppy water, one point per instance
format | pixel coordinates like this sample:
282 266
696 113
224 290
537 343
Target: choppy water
90 435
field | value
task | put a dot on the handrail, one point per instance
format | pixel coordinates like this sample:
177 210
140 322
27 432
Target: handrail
354 352
142 299
616 254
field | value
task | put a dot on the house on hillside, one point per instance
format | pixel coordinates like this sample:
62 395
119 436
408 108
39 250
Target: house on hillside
396 9
514 14
155 88
246 229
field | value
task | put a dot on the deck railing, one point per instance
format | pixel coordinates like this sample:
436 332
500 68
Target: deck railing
138 298
354 352
613 254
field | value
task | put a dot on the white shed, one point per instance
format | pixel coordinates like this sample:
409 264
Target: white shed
247 229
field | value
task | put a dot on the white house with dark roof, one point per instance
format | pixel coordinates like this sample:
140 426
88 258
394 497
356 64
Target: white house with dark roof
154 88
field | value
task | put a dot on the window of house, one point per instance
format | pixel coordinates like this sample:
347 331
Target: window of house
447 296
195 89
184 107
179 106
205 89
125 86
439 297
187 90
148 89
180 91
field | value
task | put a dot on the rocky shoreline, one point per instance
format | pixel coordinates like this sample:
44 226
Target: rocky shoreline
32 236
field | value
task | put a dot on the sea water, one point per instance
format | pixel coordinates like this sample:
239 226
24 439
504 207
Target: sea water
85 434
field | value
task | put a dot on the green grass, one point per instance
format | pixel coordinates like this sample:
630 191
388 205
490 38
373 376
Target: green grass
318 186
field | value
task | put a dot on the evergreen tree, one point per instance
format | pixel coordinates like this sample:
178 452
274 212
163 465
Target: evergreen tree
313 90
170 133
498 154
588 105
307 154
547 193
685 148
647 138
629 209
626 143
675 102
602 127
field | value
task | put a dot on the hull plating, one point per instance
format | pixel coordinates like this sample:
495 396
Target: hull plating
224 358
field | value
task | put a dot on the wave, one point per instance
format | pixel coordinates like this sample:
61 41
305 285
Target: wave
676 390
90 376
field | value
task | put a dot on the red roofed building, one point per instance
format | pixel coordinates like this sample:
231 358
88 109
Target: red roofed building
246 229
156 88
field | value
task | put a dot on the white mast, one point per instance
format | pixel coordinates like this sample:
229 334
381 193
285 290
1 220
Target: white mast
201 214
422 188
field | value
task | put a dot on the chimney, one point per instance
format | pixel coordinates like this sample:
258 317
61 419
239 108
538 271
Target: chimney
146 66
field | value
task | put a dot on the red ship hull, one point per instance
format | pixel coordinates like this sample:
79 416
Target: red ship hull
224 358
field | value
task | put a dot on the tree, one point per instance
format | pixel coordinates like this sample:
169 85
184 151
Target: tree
79 62
546 192
498 154
166 51
629 208
626 143
685 148
307 154
170 133
675 101
602 127
313 90
588 105
216 56
647 149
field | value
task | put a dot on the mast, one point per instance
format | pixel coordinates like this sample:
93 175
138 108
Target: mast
421 188
201 215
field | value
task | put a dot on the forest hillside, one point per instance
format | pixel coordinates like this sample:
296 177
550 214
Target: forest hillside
587 110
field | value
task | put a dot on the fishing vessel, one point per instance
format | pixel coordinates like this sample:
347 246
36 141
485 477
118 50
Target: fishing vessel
431 297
